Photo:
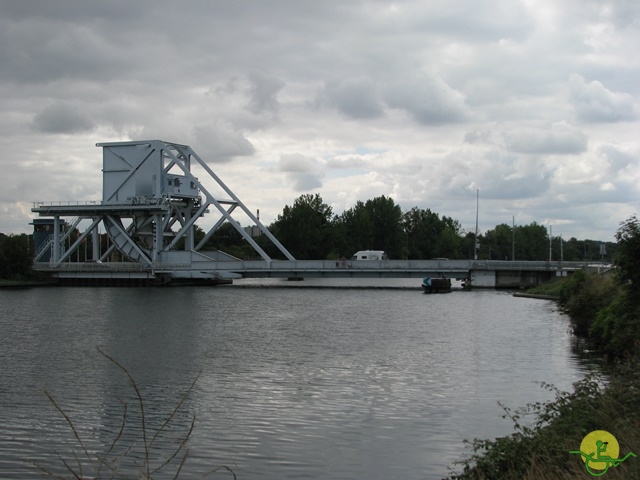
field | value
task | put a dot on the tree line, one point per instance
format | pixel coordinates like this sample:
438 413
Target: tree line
309 229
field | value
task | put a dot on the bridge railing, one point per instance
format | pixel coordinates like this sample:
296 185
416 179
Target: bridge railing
525 265
301 265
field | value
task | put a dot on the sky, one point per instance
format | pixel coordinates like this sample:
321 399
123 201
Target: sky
531 105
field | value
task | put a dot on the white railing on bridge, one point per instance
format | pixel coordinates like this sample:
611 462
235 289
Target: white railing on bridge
300 267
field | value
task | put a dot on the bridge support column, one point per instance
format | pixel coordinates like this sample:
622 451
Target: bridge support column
56 239
482 278
95 242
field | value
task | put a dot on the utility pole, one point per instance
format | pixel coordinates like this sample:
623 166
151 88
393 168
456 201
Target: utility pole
513 238
550 237
475 240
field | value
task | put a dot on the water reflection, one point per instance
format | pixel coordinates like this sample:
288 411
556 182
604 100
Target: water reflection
295 383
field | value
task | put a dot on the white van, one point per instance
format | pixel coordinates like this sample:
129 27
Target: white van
370 255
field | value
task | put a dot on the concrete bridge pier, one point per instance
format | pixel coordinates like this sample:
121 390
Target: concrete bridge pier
510 278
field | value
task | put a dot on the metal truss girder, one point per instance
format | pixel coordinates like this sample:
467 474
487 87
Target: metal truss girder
262 228
76 244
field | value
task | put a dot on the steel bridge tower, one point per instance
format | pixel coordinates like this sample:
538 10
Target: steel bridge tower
151 202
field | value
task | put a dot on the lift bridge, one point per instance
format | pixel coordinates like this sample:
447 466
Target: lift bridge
151 203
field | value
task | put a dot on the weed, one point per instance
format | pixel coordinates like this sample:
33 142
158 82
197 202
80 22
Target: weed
86 463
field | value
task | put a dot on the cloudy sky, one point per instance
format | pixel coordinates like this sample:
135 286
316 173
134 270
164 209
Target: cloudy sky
535 103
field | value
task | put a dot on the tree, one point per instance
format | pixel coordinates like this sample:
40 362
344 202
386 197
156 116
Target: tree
628 256
498 243
386 220
353 230
450 239
15 257
305 227
616 328
532 242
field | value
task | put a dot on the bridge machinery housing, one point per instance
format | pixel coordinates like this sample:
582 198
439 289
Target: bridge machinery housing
151 202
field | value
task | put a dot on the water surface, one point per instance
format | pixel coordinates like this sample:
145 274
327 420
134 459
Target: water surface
293 383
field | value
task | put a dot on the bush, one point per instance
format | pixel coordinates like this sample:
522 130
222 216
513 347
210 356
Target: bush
616 329
583 296
541 449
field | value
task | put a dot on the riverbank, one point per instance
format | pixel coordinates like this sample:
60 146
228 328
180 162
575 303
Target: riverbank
536 295
605 313
25 284
545 434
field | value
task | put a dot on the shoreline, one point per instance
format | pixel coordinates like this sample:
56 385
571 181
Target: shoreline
10 284
536 295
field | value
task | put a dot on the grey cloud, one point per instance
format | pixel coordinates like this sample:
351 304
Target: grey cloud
617 159
40 50
346 162
498 174
514 187
303 182
221 142
355 97
427 99
559 139
474 20
369 86
479 137
593 102
303 173
298 163
62 118
263 93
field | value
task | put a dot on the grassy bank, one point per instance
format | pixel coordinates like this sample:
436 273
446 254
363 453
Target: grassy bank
545 433
603 313
604 310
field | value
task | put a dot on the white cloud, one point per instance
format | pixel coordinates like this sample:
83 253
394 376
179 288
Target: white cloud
304 173
220 142
595 103
535 103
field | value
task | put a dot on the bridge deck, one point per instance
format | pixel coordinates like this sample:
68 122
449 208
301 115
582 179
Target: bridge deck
311 268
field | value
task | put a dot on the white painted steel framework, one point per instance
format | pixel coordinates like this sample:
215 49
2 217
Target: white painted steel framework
151 201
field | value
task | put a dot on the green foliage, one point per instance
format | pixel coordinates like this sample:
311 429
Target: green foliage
628 255
386 219
616 328
583 296
353 230
540 447
553 287
525 242
16 257
606 309
499 242
575 250
305 227
430 236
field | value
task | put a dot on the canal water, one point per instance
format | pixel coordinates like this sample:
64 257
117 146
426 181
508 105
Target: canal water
290 383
